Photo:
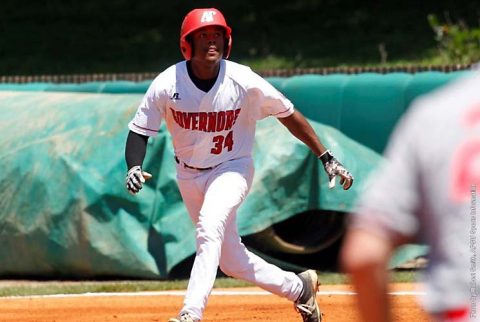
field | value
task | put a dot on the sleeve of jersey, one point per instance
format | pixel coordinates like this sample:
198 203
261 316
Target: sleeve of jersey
150 113
265 100
391 202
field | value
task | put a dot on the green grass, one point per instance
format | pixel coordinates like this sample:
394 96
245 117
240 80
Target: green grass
404 277
24 288
27 288
338 278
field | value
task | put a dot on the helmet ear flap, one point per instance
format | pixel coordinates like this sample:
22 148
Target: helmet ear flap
186 48
228 47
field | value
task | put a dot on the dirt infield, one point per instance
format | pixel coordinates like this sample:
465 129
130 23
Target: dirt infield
241 307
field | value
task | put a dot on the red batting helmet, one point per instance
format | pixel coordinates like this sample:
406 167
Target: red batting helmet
199 18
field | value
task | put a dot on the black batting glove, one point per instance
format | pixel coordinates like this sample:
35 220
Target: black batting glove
334 168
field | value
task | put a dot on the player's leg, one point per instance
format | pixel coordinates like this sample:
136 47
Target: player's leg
192 196
191 184
237 261
225 190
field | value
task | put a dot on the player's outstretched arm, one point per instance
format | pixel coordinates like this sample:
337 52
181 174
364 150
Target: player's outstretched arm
135 150
302 130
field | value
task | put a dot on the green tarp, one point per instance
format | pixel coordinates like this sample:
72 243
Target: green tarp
64 209
63 206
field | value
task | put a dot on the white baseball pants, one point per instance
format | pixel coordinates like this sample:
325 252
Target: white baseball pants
212 198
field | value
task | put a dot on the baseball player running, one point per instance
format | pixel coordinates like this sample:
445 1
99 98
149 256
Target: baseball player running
427 193
210 106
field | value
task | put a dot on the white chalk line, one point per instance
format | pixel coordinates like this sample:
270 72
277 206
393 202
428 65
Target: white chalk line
182 293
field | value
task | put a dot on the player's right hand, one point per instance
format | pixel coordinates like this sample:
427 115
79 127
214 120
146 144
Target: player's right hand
135 179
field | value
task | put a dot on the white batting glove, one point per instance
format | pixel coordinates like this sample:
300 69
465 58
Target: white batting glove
334 168
135 179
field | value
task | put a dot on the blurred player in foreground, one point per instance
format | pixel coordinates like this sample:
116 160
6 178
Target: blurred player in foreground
425 192
210 106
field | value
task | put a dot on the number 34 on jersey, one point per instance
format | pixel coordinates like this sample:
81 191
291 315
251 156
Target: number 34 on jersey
222 142
210 122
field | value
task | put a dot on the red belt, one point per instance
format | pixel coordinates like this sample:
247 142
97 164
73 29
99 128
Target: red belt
190 167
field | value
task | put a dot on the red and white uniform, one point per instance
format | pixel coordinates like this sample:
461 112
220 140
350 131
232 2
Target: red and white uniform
216 129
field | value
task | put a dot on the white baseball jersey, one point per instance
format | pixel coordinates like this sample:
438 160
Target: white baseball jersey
209 128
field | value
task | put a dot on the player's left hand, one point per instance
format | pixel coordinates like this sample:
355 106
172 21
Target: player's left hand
334 168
